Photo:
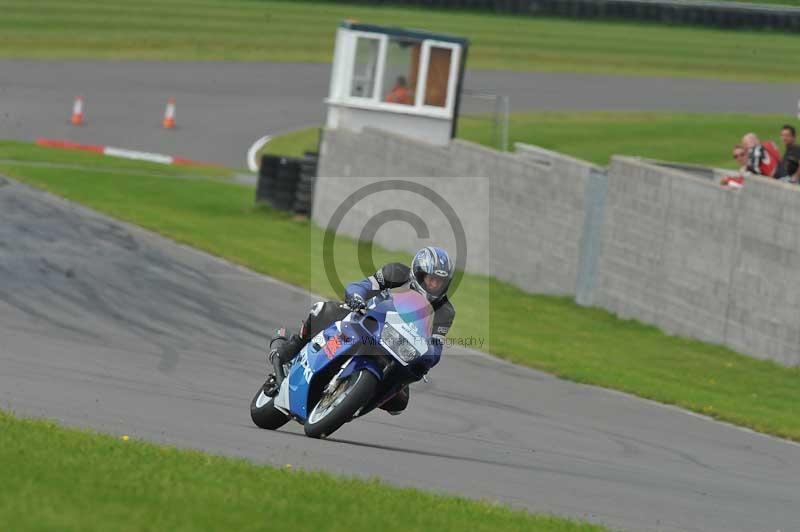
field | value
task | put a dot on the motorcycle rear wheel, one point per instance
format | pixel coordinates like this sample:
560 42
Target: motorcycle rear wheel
337 408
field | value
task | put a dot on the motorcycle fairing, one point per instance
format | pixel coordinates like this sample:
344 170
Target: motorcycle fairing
406 312
324 349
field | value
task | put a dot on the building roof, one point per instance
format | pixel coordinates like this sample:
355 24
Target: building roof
410 34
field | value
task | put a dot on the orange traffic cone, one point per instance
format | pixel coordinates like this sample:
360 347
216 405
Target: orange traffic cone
169 115
77 112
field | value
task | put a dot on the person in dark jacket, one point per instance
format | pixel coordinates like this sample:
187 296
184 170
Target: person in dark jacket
430 274
790 150
792 170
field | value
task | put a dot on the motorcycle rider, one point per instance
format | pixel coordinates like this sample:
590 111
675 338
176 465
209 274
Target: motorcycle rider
430 274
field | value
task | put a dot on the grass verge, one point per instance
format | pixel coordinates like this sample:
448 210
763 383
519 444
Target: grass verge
293 143
549 333
699 138
247 30
60 479
595 136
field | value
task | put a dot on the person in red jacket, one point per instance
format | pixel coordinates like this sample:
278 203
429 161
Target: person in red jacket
400 93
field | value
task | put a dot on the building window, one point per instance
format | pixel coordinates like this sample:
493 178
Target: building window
365 67
438 76
400 71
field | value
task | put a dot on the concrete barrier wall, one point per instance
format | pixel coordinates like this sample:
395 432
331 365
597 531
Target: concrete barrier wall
658 243
537 217
763 315
380 160
704 261
668 243
523 208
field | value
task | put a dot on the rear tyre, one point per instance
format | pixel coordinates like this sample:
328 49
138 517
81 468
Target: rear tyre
338 407
264 414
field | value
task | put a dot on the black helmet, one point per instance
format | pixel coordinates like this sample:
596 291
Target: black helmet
435 264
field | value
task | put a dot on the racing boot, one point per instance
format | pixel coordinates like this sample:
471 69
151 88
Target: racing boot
281 352
396 404
275 378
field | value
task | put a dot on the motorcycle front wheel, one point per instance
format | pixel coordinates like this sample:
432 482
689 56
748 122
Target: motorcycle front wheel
263 412
337 407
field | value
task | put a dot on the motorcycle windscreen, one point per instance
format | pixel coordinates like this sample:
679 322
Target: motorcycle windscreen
414 309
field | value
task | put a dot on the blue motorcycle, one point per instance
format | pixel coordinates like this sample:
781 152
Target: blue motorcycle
351 367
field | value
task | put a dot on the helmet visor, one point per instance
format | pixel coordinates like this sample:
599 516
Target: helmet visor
433 284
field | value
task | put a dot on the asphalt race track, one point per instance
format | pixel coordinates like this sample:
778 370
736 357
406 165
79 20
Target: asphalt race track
104 325
223 108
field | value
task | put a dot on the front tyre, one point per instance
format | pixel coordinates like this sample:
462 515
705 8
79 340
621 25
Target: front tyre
337 407
264 413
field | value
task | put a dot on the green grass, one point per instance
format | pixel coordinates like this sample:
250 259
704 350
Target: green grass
246 30
549 333
595 136
293 143
69 480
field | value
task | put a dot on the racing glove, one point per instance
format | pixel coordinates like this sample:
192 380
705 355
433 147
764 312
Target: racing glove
356 301
418 370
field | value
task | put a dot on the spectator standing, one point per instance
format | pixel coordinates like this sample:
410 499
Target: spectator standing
763 158
791 149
